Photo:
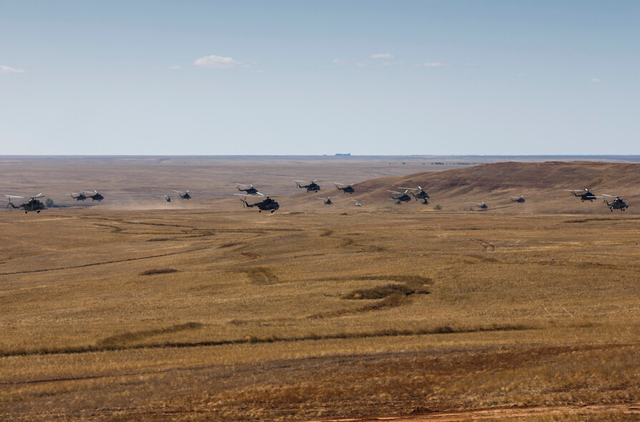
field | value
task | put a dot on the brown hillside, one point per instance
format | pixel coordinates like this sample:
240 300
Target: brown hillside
542 185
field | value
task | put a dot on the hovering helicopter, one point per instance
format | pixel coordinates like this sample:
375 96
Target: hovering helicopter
166 197
584 196
32 205
312 186
420 195
266 204
79 196
183 195
250 190
616 204
482 205
357 204
327 200
402 197
96 196
519 199
346 188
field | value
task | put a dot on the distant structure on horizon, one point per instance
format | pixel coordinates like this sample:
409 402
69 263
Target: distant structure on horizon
344 155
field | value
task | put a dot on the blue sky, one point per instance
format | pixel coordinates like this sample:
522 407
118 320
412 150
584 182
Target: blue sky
319 77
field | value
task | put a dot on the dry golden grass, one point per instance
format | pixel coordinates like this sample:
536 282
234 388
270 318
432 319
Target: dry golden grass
321 313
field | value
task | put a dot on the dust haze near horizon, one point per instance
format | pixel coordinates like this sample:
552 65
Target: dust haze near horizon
298 78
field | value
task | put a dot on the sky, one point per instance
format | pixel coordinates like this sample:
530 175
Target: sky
365 77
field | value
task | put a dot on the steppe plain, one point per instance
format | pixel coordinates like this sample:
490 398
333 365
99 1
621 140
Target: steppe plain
137 309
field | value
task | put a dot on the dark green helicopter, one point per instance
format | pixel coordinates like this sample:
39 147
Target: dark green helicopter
402 197
420 195
616 204
266 204
482 205
584 196
79 196
519 199
346 188
311 187
327 200
250 190
94 195
32 205
183 195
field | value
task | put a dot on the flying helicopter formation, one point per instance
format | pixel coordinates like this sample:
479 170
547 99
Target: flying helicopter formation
82 195
267 203
586 195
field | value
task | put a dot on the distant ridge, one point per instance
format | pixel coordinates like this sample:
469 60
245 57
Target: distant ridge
542 185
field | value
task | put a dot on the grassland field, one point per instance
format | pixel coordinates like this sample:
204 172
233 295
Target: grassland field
315 313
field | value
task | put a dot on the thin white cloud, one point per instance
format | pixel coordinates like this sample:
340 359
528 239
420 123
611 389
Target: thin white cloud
339 61
596 80
381 56
361 64
7 69
174 67
216 62
433 64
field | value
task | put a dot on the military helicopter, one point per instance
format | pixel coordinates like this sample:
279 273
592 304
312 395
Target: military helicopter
616 204
519 199
357 204
166 197
402 197
346 188
482 205
96 196
327 200
79 196
250 190
266 204
584 196
32 205
183 195
420 195
312 186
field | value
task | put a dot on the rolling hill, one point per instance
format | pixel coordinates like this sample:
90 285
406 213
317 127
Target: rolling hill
542 184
